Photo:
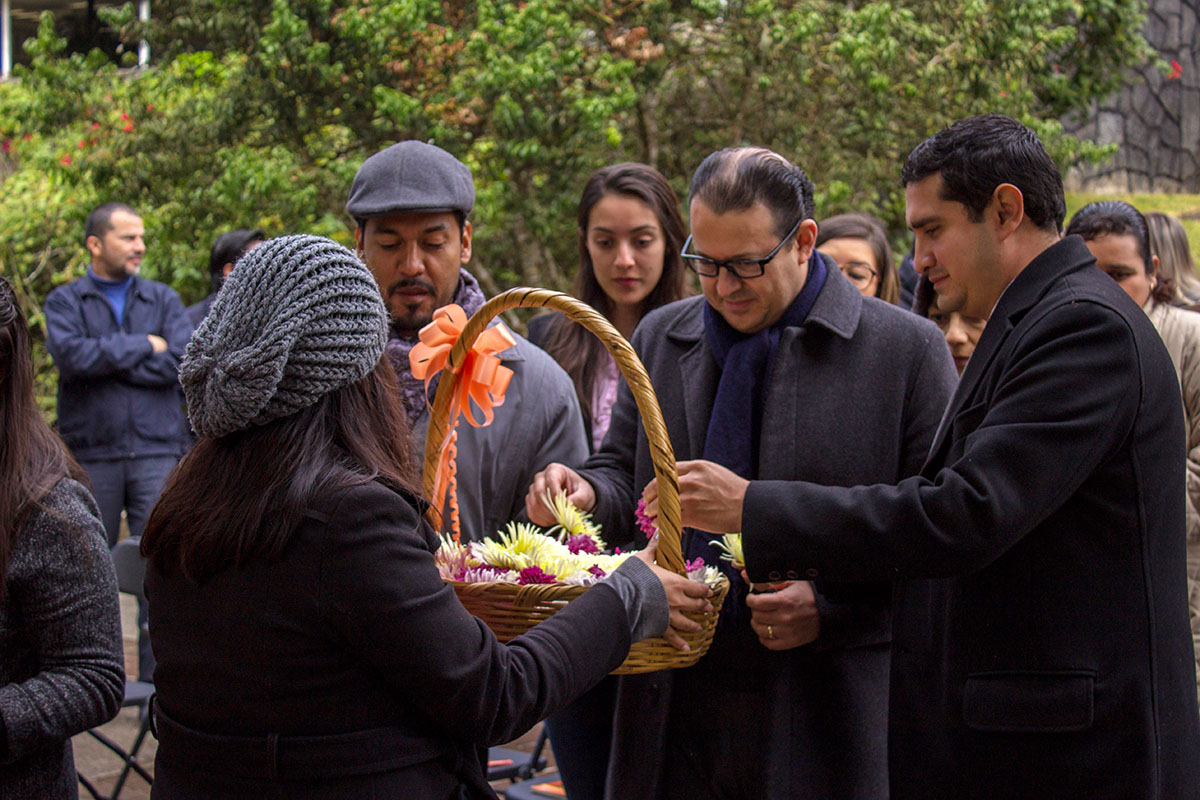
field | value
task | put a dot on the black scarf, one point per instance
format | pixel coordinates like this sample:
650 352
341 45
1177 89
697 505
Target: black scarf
746 362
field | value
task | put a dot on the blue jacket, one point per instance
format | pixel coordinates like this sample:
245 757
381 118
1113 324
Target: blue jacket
117 398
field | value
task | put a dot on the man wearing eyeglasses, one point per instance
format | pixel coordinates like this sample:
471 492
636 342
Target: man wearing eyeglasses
1041 643
782 370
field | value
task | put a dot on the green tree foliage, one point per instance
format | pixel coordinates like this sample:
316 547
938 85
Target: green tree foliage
258 112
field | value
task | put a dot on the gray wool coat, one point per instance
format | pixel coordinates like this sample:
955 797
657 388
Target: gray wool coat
855 397
62 668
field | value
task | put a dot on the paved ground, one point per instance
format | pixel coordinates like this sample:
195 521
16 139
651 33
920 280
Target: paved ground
101 766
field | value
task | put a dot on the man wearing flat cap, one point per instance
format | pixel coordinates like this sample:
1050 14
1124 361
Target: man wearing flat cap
411 204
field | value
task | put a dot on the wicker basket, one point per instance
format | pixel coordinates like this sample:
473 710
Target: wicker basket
510 610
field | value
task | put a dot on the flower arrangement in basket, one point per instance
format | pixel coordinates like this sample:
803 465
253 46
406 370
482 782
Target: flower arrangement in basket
526 575
570 553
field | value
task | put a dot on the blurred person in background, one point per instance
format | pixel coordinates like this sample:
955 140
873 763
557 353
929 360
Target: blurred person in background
962 332
226 250
858 244
62 667
1116 234
117 339
1169 243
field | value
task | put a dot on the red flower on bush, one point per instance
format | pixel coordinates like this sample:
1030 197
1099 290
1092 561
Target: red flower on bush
1176 71
6 146
128 128
124 117
95 126
66 161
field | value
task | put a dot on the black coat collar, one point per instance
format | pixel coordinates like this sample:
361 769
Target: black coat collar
1023 292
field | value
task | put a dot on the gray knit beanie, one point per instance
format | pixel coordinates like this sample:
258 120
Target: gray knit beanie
298 318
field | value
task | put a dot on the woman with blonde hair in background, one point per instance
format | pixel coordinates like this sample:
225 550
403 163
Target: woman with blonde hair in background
1169 242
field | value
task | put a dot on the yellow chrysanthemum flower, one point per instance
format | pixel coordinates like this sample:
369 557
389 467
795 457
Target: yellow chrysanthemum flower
730 545
572 522
518 546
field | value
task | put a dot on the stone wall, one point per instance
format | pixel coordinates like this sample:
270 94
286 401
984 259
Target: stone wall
1156 118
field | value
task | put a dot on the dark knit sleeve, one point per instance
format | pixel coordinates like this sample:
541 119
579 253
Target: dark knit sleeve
61 577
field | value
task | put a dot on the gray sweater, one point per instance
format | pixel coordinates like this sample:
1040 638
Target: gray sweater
62 667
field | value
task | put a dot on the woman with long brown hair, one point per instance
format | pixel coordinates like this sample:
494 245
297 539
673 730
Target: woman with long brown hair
306 643
630 234
62 669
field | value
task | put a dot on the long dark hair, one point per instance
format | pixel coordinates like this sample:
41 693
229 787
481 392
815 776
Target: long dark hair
239 498
32 457
579 352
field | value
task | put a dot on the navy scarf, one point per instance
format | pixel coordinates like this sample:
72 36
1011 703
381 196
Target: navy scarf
746 362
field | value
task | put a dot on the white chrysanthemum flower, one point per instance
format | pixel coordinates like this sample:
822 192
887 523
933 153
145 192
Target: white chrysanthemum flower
707 574
487 575
451 558
609 562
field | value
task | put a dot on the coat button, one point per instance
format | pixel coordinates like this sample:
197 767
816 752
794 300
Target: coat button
792 575
774 576
810 572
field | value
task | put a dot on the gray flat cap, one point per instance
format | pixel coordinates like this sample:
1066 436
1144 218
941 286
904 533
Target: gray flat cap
411 177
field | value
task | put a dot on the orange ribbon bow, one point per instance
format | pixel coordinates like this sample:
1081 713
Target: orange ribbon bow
480 378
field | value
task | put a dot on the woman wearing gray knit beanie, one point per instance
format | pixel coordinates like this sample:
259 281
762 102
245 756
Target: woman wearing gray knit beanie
306 645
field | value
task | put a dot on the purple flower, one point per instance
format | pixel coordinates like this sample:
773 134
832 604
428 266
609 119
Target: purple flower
691 566
534 575
596 572
647 524
582 544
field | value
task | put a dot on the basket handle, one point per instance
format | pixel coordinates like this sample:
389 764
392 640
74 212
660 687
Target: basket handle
670 552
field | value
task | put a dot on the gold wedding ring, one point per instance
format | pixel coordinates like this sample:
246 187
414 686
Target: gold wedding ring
770 632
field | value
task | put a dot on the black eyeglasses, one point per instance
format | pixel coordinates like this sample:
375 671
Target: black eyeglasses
741 267
858 273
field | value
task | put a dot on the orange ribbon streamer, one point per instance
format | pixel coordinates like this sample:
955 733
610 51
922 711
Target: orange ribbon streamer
481 378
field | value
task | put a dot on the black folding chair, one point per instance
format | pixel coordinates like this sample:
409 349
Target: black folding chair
513 765
525 785
131 574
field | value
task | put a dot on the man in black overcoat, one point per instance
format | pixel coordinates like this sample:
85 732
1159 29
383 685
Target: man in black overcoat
1041 646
